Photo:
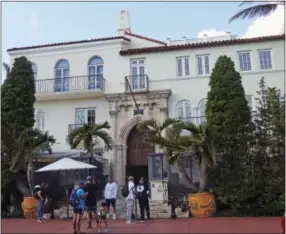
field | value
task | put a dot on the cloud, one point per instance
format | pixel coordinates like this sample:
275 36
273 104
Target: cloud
211 33
34 20
269 25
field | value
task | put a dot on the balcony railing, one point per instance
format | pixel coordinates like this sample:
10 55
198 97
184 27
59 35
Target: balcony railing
72 127
195 120
138 83
75 83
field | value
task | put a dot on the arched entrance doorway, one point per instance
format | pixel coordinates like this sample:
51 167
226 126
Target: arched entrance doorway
137 155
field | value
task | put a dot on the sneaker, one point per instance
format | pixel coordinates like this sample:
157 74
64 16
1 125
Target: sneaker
40 221
114 216
107 215
142 221
128 221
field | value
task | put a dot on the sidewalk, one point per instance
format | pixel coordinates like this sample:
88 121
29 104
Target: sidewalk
193 225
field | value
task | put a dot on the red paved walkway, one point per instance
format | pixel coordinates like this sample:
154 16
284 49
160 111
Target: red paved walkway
193 225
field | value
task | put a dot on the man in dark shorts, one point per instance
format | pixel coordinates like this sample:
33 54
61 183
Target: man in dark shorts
78 210
90 202
110 193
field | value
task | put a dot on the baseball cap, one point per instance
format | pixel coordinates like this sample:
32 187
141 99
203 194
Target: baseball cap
89 178
81 182
37 186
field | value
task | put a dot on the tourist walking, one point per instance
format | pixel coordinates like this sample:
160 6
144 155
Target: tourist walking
39 194
110 193
77 198
91 189
142 190
130 199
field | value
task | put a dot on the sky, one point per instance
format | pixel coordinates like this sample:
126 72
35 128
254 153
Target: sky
34 23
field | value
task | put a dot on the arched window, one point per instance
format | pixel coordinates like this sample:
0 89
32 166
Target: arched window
62 76
95 73
40 119
35 70
183 110
202 107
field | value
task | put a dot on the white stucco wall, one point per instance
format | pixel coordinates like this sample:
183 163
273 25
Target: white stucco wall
160 67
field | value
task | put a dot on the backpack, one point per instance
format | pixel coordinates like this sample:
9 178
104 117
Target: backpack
35 193
74 200
125 190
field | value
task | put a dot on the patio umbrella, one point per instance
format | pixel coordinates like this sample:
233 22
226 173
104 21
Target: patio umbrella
66 164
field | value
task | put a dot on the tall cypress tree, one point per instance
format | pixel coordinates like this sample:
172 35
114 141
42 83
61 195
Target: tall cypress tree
229 117
18 96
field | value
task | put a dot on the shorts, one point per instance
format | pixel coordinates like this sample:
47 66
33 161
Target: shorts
90 208
111 202
78 211
102 217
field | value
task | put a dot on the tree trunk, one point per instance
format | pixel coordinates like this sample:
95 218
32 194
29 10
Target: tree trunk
203 176
22 188
184 178
30 174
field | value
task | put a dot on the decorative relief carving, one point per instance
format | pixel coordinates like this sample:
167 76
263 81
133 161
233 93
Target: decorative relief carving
164 110
124 97
113 113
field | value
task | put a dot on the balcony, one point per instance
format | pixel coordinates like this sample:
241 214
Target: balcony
195 120
70 87
72 127
137 83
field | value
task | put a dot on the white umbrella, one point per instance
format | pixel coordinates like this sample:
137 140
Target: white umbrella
66 164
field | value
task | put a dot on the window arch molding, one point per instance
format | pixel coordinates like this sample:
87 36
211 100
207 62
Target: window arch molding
40 119
202 107
62 75
184 109
95 67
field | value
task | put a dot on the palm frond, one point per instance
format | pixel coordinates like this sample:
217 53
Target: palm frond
261 10
88 135
6 67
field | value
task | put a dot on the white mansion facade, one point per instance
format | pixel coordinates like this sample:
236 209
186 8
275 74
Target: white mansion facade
84 81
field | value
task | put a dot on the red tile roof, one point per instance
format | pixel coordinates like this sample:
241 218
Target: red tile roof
68 43
201 45
145 38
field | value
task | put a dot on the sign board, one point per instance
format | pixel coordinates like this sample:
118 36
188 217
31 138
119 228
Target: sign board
155 166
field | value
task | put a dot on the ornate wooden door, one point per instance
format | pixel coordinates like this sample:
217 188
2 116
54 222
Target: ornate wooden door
137 149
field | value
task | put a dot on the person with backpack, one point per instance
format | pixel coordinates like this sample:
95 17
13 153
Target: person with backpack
142 190
128 191
40 196
77 198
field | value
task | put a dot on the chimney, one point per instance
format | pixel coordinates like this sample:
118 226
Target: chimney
168 41
185 40
124 23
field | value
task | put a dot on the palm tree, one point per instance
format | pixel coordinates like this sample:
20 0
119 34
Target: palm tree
198 144
6 67
89 135
260 10
169 139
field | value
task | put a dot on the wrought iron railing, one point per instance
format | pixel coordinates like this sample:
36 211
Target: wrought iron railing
72 127
74 83
138 83
195 120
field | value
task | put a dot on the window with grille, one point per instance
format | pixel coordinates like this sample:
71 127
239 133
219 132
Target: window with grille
183 66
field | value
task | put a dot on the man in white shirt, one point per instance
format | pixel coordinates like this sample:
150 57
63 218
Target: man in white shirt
130 199
110 193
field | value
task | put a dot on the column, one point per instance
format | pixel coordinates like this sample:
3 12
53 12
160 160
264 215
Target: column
113 158
164 116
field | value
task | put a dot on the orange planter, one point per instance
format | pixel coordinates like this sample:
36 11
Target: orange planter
29 206
202 204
